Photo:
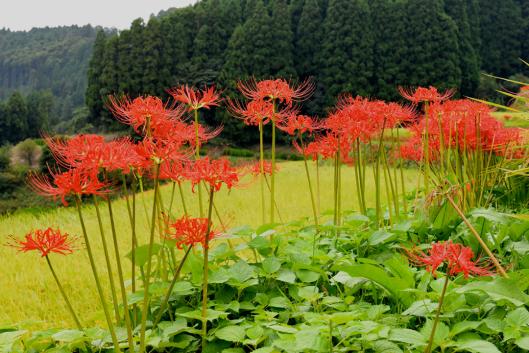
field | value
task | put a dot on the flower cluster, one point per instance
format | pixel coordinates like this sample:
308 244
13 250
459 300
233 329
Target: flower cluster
45 241
189 231
464 125
457 258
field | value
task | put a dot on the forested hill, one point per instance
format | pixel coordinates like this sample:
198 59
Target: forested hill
47 59
365 47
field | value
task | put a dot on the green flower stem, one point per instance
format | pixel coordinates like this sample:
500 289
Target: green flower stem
426 151
261 167
272 175
140 179
145 305
170 210
107 260
181 192
197 157
205 277
63 293
171 286
402 181
437 314
126 313
312 199
318 182
96 277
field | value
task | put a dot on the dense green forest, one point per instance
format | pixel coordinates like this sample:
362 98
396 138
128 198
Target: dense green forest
47 59
365 47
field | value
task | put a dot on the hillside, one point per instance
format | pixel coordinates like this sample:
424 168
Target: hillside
47 59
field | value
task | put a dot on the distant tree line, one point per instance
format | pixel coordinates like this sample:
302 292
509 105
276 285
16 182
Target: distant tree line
365 47
24 117
52 59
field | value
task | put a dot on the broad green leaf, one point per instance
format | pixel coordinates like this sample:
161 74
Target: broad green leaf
380 236
265 350
421 308
279 302
383 346
407 336
519 317
241 271
255 332
271 264
286 275
477 346
463 326
170 329
68 335
210 314
309 293
231 333
498 289
441 332
307 276
523 342
348 281
8 339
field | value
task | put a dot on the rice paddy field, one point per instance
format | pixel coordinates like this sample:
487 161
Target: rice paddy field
29 296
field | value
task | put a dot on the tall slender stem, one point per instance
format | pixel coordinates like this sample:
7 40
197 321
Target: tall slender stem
64 296
171 286
149 261
181 192
172 199
437 314
261 170
426 151
205 277
197 157
96 277
312 198
272 175
126 313
107 260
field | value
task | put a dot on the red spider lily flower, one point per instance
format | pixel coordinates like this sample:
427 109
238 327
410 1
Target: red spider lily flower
255 168
279 89
213 172
196 99
72 182
456 257
204 134
79 150
299 124
189 231
423 94
259 111
327 147
46 241
174 170
120 155
160 150
147 115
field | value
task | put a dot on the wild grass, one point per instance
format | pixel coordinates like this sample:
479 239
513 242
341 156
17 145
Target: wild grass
28 294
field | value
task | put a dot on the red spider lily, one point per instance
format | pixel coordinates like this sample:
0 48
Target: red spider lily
76 151
255 168
423 94
327 147
259 111
189 231
456 257
120 155
213 172
279 89
299 124
72 182
464 125
196 99
147 115
174 170
46 241
159 150
204 134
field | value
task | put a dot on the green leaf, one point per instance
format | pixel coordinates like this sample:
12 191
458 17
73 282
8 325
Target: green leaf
8 339
264 350
255 332
173 328
279 302
421 308
348 281
477 346
286 275
231 333
498 289
441 332
380 236
271 264
210 314
463 326
519 317
307 276
142 252
523 342
407 336
68 335
241 271
383 346
310 293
